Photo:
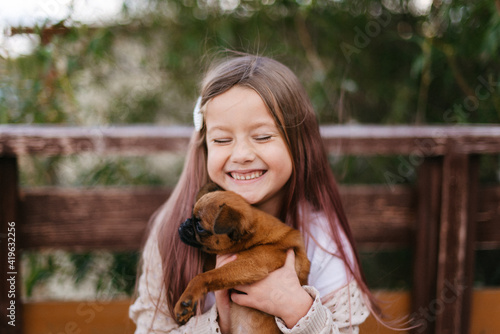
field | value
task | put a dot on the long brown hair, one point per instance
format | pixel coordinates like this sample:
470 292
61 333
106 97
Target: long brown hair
312 182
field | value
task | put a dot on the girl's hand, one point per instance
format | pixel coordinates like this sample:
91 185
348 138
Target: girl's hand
279 294
222 296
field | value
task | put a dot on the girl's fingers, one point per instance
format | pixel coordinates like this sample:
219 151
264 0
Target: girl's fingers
224 259
290 259
269 294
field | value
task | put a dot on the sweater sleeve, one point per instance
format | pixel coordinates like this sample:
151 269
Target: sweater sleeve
339 305
342 313
150 319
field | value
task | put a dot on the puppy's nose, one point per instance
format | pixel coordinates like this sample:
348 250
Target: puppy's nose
187 228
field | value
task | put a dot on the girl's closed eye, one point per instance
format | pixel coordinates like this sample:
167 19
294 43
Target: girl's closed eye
265 137
259 138
221 140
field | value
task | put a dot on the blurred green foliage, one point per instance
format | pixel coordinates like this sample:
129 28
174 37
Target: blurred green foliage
40 268
57 274
388 269
392 269
361 61
487 272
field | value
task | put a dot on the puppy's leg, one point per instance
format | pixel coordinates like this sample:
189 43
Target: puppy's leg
185 307
250 266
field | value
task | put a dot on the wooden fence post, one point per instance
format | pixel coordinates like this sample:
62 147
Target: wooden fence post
451 306
10 283
430 175
444 244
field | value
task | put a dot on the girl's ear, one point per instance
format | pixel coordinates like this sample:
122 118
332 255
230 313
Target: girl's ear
207 188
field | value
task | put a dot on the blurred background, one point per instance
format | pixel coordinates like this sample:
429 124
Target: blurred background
102 63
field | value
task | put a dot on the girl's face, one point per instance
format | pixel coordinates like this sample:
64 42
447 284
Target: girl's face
246 153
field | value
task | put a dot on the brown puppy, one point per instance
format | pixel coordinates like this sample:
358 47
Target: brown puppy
223 222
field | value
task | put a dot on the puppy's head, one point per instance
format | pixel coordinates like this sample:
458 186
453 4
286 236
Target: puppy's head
221 221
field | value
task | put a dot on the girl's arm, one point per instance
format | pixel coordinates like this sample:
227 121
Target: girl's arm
144 312
343 313
280 294
222 297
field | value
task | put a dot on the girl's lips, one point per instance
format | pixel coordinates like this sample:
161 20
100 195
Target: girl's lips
247 175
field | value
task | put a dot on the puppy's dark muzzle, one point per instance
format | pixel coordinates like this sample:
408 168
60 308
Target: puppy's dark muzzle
188 234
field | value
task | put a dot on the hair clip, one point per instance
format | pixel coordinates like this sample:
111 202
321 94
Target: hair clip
197 115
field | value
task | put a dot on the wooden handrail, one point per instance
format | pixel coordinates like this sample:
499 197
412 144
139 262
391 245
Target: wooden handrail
339 139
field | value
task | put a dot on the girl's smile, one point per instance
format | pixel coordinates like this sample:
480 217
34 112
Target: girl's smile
246 153
244 175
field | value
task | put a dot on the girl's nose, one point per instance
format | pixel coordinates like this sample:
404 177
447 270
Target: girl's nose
243 152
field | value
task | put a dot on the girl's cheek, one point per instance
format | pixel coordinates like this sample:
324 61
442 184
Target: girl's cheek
215 165
217 154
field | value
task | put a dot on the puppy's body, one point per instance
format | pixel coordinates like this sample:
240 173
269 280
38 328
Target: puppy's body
223 222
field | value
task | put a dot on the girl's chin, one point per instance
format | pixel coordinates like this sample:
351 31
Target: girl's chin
249 197
250 191
252 199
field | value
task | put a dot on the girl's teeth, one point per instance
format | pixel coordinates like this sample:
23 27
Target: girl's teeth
247 176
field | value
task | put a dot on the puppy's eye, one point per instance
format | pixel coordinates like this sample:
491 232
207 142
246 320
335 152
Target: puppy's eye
198 227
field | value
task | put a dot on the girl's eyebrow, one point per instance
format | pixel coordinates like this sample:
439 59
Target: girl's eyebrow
264 124
218 128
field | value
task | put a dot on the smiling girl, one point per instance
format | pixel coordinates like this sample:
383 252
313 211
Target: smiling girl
246 153
257 135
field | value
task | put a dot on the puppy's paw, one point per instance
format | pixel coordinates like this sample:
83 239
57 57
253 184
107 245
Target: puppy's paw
185 309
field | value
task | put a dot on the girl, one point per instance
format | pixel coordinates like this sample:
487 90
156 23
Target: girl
257 135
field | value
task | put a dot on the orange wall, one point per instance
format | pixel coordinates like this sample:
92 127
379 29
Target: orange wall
112 317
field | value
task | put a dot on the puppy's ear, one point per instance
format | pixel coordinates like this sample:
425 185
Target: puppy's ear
228 222
207 188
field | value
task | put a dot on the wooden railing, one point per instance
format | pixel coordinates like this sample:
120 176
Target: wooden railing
444 218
